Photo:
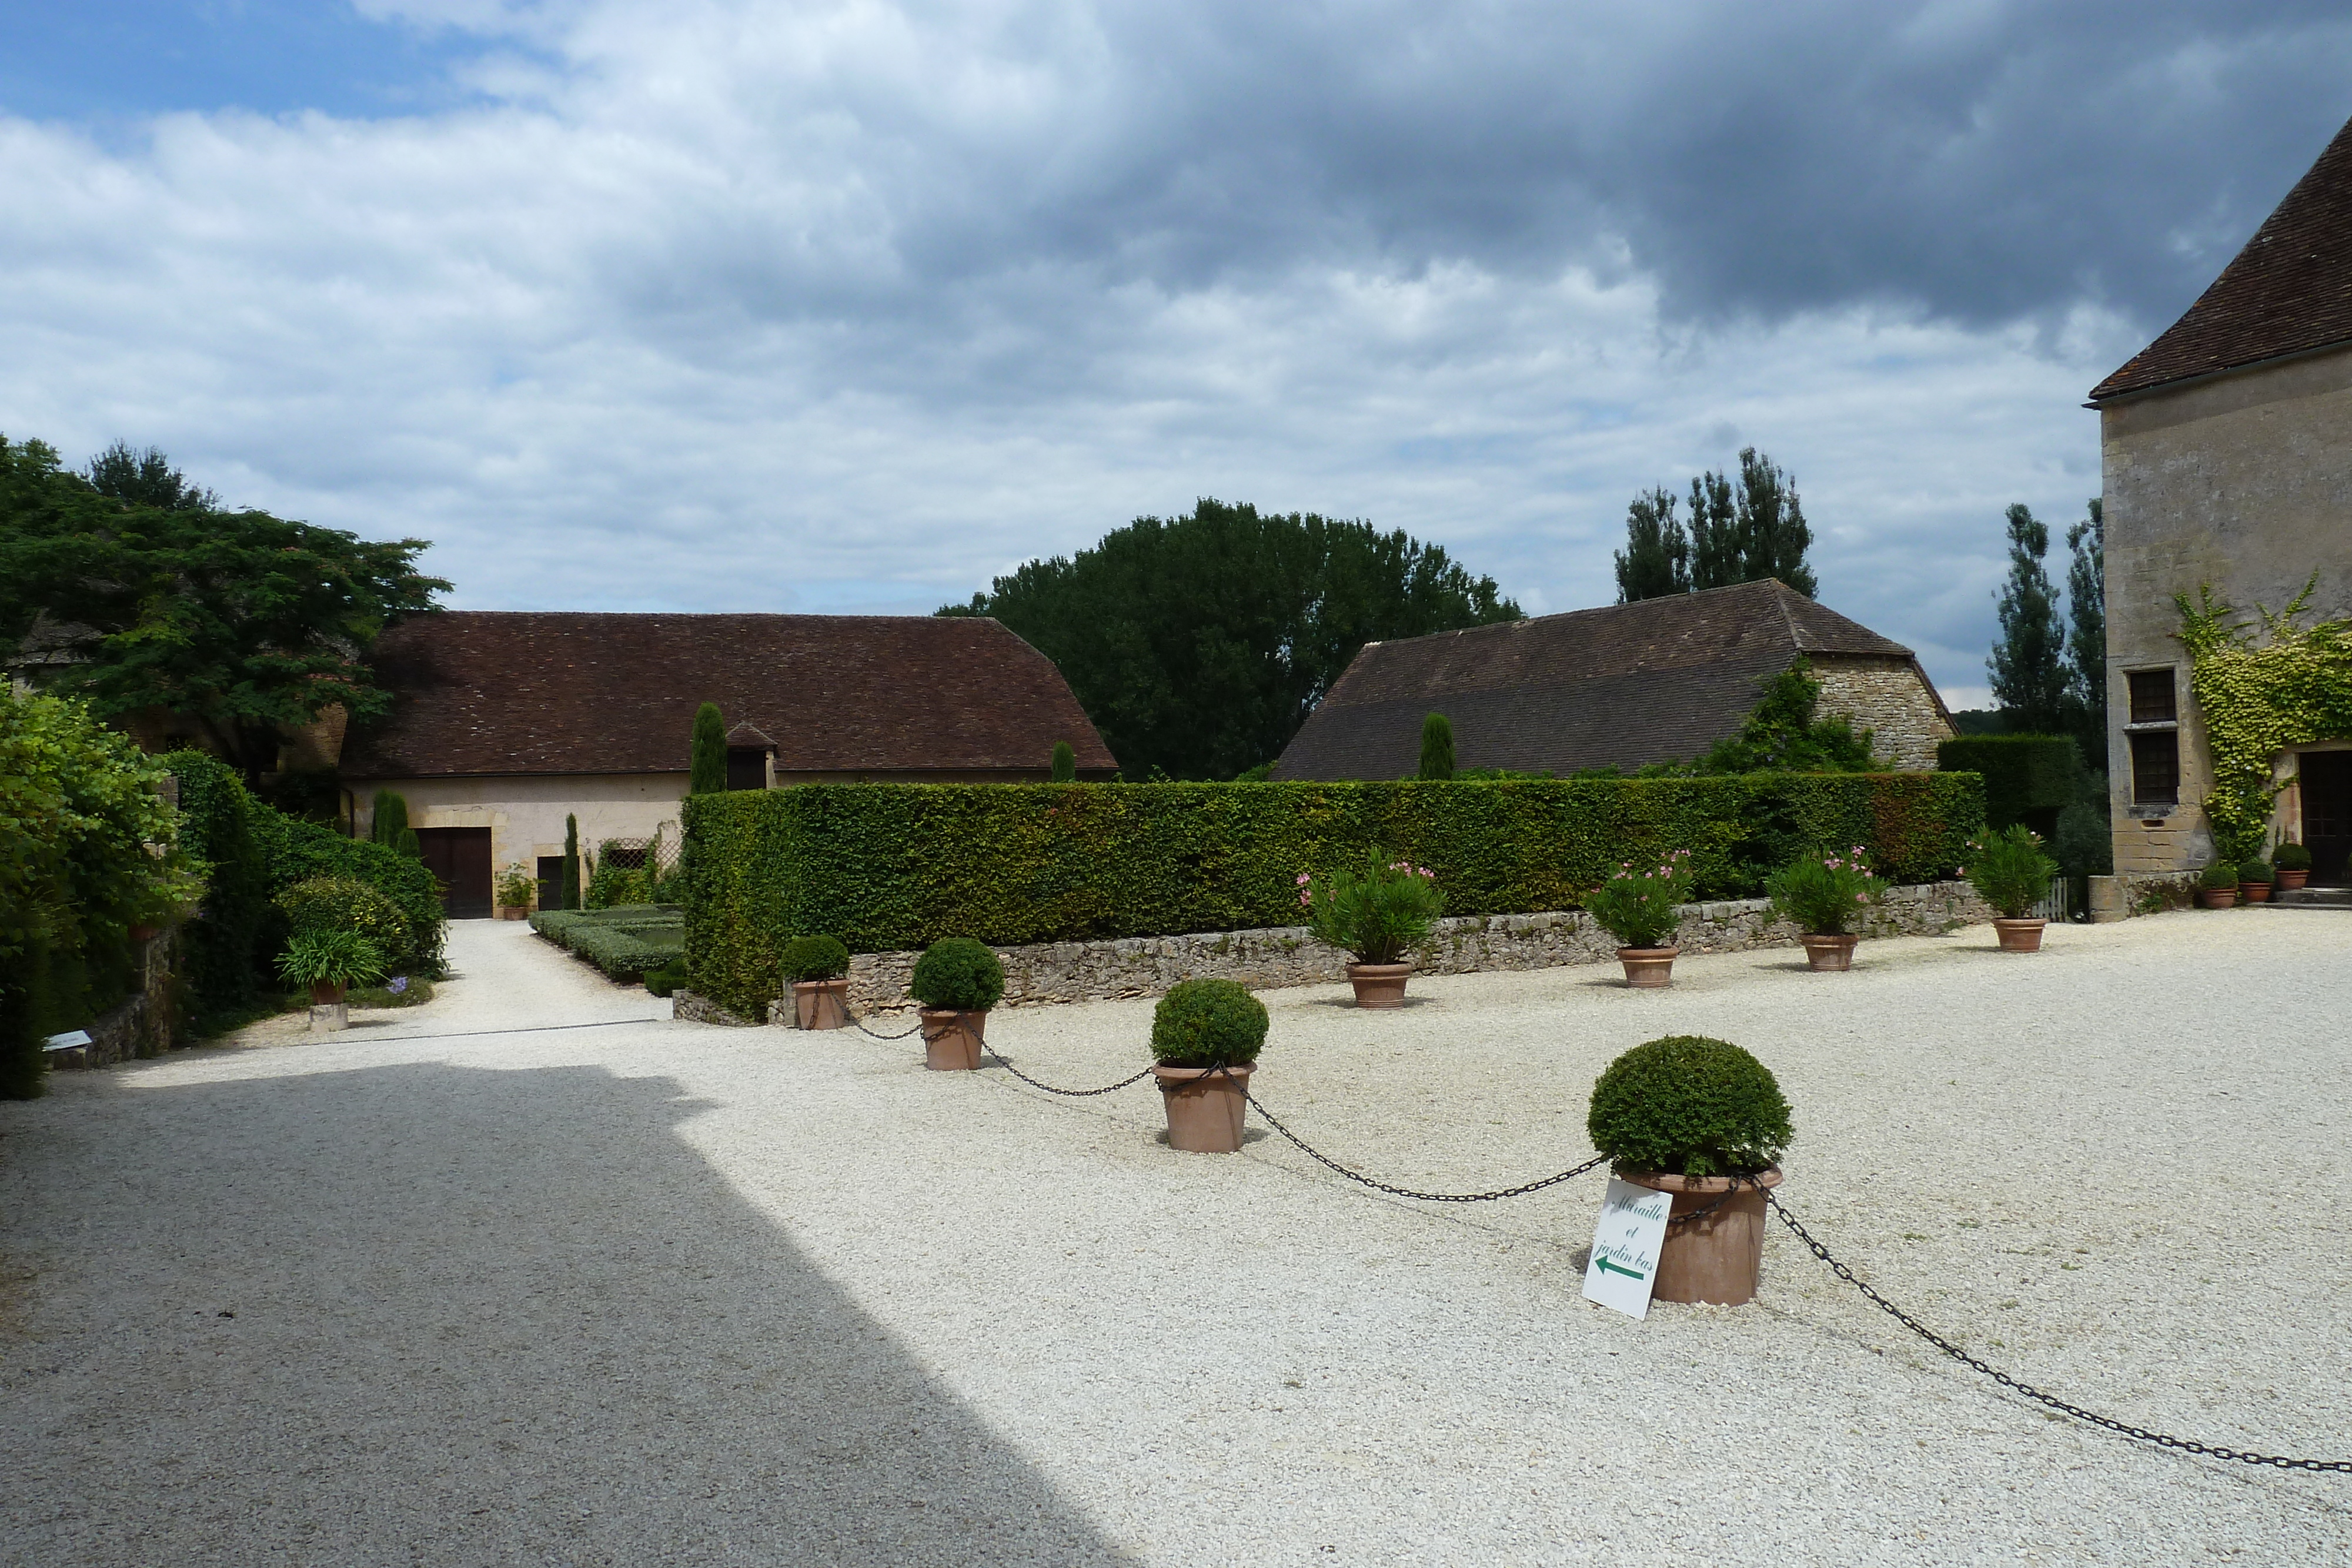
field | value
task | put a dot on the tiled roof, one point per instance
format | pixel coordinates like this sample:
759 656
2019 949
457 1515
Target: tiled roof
1654 681
504 691
2289 291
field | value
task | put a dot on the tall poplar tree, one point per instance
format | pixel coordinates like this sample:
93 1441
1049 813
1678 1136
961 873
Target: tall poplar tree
2086 635
2027 666
1771 525
1655 561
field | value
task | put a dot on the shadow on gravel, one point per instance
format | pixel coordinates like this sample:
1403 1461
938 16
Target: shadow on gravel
440 1314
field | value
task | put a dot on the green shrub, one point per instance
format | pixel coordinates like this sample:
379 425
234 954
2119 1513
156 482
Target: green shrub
295 851
889 867
1822 892
2220 874
669 977
1643 909
2292 857
1688 1105
2255 870
958 972
2028 779
816 958
331 955
1377 912
228 948
1065 768
1437 747
625 943
516 886
1207 1023
2010 871
707 752
611 886
571 861
388 819
2084 843
345 903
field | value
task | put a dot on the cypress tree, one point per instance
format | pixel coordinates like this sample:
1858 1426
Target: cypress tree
404 842
2027 665
2086 635
1437 746
390 817
571 861
709 756
1065 763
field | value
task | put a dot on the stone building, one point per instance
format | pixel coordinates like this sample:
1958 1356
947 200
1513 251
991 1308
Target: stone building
2227 457
1658 680
508 722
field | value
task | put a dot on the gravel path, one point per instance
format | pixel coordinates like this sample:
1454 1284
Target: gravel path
668 1292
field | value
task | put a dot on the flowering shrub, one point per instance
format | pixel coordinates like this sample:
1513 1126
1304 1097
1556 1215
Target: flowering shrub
2009 871
1822 892
1637 907
1377 913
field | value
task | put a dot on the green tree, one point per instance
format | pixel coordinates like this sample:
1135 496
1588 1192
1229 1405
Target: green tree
709 756
571 861
1770 523
389 818
1655 561
1437 746
1198 644
1783 734
238 623
2086 635
2027 665
1065 763
1716 555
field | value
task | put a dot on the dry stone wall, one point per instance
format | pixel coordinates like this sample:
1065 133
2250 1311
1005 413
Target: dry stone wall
149 1023
1289 954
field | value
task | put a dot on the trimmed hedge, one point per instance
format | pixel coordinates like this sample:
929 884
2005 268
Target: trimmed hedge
626 942
2028 779
889 867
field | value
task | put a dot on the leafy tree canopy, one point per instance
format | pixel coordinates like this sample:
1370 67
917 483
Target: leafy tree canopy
1747 535
137 592
1782 735
1198 644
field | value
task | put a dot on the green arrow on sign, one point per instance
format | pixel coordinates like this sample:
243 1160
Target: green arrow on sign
1608 1267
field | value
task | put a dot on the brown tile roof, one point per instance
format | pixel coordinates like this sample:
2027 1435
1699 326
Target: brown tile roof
505 692
1654 681
2289 291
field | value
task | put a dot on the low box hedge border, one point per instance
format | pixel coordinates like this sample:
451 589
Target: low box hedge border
624 941
891 867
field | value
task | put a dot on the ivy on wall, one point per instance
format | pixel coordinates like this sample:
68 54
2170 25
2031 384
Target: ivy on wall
2263 684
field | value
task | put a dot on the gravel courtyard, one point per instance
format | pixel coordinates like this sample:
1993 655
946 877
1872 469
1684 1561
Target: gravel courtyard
653 1291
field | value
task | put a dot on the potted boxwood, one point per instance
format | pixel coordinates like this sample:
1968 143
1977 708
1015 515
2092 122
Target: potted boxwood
2010 871
1820 893
957 980
1377 913
817 968
2217 885
516 885
1205 1040
2293 865
1643 910
2255 881
330 962
1705 1120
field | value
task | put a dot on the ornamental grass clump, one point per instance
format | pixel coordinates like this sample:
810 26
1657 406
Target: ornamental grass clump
1688 1105
1376 912
1822 892
1207 1023
810 958
331 958
2010 871
958 972
1641 908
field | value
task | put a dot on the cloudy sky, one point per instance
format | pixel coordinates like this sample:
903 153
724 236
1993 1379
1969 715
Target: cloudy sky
702 305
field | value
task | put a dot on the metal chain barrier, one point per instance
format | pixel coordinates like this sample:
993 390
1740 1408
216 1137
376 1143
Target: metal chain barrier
859 1025
1328 1162
1067 1093
2138 1434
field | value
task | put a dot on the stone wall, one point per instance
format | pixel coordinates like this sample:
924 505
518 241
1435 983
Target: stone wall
150 1023
1289 955
1889 697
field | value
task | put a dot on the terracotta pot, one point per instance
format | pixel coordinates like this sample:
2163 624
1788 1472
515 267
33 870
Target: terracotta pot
514 911
1828 953
951 1038
1378 984
822 1004
1715 1258
2254 892
325 993
1204 1106
1647 968
2020 935
2288 881
2219 898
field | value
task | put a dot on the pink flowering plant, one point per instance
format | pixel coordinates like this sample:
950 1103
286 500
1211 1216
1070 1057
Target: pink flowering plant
1377 912
1821 892
2008 869
1638 906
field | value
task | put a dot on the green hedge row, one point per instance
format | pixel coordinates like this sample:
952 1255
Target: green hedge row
624 941
2028 779
888 867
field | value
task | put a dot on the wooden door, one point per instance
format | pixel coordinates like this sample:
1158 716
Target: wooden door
460 859
2328 815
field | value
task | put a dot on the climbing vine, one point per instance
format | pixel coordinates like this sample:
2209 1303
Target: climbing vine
2261 692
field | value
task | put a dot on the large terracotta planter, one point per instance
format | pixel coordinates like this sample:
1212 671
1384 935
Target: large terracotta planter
823 1003
1714 1258
514 911
951 1038
323 992
1205 1107
2254 892
2219 898
1378 984
1829 953
2020 935
2288 881
1648 968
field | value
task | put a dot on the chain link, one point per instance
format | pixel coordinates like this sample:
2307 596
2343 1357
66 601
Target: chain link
1067 1093
2138 1434
859 1025
1328 1162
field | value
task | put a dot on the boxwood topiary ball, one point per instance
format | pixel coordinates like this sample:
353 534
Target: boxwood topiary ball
1688 1105
1207 1023
958 972
2219 875
816 958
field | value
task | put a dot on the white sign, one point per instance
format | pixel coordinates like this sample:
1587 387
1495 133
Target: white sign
1625 1246
70 1040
